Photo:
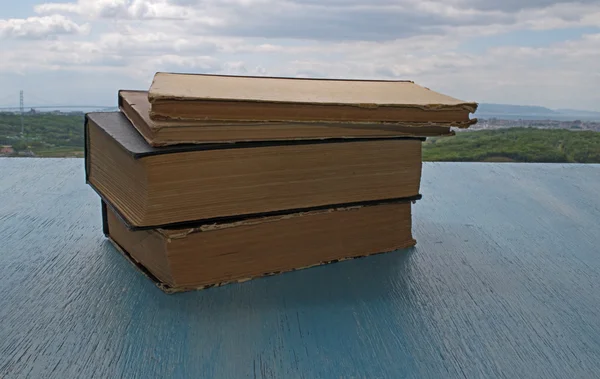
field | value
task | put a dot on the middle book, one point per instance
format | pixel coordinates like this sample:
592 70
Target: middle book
157 186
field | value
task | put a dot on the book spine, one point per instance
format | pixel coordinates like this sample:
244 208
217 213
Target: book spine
104 218
86 148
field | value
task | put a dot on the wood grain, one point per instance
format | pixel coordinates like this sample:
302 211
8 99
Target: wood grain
503 283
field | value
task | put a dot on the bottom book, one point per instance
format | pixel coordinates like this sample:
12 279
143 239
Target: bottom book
210 255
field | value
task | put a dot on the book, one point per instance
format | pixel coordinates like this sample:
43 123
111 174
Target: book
158 186
245 98
136 106
213 254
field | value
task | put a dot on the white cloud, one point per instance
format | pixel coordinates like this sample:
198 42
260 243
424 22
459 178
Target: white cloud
148 43
89 8
560 15
40 27
517 5
118 9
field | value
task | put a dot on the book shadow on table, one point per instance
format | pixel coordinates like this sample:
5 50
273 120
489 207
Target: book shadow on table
370 278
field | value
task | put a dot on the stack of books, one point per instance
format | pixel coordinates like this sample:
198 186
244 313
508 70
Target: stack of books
211 179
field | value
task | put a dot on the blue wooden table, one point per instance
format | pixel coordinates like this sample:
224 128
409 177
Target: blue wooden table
504 282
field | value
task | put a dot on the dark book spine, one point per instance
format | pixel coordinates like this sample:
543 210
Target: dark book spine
86 148
104 218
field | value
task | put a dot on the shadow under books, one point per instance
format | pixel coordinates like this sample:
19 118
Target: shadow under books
371 278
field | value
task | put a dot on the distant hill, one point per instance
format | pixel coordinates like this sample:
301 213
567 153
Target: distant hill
514 109
583 115
527 112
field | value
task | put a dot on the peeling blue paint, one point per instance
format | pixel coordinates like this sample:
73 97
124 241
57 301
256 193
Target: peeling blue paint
502 283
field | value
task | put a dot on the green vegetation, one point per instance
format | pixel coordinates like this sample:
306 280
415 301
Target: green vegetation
46 134
60 152
60 135
515 145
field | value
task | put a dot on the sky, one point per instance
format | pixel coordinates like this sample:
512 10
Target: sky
527 52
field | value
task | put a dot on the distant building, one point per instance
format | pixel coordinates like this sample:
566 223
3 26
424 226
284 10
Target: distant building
26 153
6 150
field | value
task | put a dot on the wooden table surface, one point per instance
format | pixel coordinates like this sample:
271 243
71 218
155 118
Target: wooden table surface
504 282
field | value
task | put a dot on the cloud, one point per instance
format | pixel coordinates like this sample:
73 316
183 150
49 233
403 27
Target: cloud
337 20
560 16
517 5
134 43
422 40
118 9
40 27
379 20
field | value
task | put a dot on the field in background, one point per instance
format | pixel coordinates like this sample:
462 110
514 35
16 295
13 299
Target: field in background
46 134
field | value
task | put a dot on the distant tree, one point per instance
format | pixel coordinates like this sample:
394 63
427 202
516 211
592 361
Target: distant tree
19 145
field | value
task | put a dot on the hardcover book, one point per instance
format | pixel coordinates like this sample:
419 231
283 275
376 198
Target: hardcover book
212 254
244 98
152 186
135 105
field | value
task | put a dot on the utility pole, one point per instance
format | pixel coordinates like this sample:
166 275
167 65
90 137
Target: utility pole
22 109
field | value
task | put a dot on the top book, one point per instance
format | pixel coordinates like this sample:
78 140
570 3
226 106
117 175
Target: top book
249 98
